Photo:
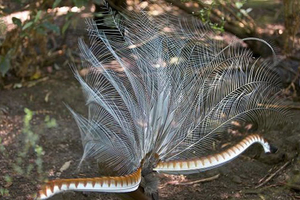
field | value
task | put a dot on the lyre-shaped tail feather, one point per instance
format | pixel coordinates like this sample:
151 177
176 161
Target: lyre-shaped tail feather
212 161
159 88
119 184
171 93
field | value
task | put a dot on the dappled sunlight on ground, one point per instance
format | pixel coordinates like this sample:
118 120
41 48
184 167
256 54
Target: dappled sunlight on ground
10 127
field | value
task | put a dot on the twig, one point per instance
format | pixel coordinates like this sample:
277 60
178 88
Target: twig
261 196
197 181
263 178
274 174
33 83
294 80
293 186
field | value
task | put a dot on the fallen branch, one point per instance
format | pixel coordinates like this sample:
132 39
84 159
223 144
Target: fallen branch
292 84
197 181
232 25
293 186
273 175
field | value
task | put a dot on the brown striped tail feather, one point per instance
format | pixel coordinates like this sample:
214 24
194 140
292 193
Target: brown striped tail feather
121 184
212 161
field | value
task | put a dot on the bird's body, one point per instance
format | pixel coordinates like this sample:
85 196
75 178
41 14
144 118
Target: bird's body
161 97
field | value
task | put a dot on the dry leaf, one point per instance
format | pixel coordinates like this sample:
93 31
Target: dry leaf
65 166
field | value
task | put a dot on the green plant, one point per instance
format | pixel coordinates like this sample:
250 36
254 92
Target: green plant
50 122
31 148
25 49
221 14
4 192
27 162
205 15
31 45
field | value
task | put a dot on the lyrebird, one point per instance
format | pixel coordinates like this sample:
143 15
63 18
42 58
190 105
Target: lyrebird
162 96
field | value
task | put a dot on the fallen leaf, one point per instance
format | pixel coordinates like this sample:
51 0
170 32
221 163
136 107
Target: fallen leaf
47 97
8 184
65 166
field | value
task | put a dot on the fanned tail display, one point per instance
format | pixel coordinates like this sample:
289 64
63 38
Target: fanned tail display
162 95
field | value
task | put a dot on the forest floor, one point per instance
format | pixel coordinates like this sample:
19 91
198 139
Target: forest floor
253 175
63 149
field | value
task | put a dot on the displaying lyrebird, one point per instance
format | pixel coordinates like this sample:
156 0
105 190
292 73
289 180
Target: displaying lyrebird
162 96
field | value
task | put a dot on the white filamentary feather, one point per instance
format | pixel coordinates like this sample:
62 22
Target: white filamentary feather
161 93
163 87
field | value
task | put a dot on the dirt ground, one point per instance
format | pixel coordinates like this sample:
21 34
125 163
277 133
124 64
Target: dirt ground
252 175
61 144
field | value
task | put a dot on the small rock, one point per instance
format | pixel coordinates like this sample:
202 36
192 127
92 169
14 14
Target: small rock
236 179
